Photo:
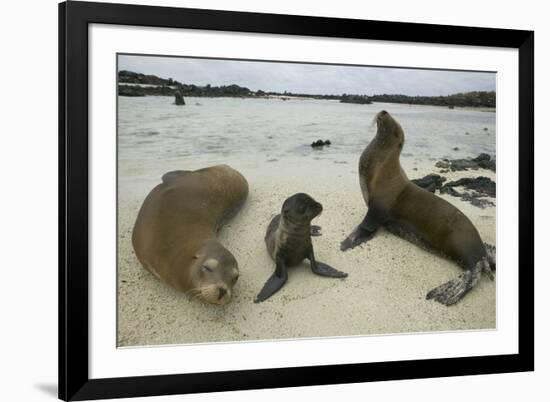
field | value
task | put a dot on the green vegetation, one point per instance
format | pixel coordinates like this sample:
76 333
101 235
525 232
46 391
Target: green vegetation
168 87
360 99
130 90
471 99
130 77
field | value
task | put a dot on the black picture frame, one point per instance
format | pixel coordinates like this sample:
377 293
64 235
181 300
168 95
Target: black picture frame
74 18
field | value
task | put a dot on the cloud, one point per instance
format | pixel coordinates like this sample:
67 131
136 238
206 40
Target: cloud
310 78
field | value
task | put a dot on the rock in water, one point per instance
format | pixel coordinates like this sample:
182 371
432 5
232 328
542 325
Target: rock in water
320 143
179 98
479 188
483 186
482 161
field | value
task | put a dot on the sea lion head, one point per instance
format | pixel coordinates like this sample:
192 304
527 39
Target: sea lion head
300 208
389 133
214 273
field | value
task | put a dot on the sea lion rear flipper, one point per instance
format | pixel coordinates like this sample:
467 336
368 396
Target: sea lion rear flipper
489 267
491 252
167 177
453 291
274 283
364 232
323 269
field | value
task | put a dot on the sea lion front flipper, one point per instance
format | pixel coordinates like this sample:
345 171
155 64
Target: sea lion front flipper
323 269
315 230
274 283
364 232
358 236
453 291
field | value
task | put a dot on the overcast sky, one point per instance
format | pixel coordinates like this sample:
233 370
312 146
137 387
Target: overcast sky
310 78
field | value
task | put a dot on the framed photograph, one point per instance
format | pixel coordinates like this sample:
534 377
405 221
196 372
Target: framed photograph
258 200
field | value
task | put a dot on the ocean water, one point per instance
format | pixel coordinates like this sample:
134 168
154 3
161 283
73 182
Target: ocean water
155 136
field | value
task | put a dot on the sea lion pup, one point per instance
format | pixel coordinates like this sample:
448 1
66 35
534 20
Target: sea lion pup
415 214
288 241
175 232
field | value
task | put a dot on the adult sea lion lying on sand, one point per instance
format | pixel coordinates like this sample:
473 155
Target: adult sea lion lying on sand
416 214
288 241
175 232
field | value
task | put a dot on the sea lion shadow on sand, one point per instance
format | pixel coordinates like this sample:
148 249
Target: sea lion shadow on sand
416 215
288 242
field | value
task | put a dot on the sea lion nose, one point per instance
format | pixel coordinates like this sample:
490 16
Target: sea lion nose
223 292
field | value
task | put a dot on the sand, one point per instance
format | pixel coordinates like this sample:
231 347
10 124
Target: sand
383 294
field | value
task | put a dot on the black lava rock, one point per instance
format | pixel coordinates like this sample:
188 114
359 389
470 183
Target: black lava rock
482 161
430 182
179 98
320 143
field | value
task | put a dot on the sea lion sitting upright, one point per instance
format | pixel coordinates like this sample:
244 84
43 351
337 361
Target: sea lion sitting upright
174 235
415 214
288 241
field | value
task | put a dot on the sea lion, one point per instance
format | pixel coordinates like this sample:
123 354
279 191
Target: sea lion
415 214
288 242
174 235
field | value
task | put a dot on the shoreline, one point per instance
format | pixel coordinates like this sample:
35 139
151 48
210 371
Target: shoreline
162 91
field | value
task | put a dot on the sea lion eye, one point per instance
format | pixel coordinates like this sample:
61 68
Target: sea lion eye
206 269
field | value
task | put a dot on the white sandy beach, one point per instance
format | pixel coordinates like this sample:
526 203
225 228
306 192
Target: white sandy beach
383 294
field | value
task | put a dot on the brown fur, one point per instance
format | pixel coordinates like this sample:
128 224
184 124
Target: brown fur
175 231
412 212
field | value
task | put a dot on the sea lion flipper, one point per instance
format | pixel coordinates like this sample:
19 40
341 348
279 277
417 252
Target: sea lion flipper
357 237
364 232
323 269
167 177
488 268
315 230
453 291
491 253
274 283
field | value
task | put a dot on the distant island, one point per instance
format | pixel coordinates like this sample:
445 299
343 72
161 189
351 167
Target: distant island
137 84
360 99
